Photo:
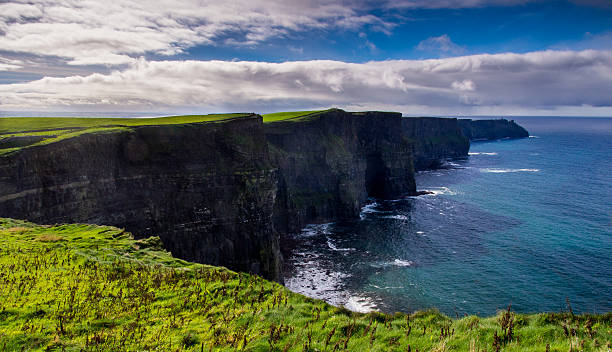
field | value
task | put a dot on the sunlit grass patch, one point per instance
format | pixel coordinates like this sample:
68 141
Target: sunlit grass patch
288 115
79 287
21 132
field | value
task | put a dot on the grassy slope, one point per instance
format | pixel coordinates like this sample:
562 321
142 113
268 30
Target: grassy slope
289 115
16 132
93 288
53 129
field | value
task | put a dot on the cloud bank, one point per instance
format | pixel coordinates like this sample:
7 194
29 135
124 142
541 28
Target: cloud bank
90 32
478 83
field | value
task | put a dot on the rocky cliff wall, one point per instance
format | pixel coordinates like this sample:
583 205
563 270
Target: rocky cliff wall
206 189
491 129
436 139
331 163
221 193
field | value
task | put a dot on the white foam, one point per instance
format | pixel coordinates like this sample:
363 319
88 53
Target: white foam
453 165
436 191
333 247
399 262
316 229
360 304
395 262
396 217
316 278
534 137
386 287
481 153
503 171
420 232
368 209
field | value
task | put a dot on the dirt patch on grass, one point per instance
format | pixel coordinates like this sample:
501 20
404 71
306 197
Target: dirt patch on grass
49 238
18 230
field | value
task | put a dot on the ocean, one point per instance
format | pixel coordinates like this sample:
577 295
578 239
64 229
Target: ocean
524 222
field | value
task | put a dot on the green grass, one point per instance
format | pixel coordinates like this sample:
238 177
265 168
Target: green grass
54 129
289 115
26 124
14 130
93 288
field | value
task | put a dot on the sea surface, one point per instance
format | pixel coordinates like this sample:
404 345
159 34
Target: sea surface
526 222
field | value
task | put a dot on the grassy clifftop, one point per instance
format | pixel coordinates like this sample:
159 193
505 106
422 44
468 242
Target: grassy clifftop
19 132
93 288
290 115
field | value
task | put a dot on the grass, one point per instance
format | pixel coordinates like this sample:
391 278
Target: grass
16 132
93 288
289 115
53 129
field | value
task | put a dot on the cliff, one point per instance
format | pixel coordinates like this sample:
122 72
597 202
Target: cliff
492 129
331 162
222 192
206 189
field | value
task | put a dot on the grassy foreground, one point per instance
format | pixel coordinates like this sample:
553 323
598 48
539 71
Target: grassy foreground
93 288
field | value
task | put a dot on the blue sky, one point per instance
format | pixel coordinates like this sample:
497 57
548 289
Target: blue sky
438 57
489 29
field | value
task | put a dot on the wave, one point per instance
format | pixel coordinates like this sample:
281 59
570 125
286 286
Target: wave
333 247
503 171
399 262
369 209
436 191
482 153
396 217
316 229
534 137
360 304
387 287
448 164
395 262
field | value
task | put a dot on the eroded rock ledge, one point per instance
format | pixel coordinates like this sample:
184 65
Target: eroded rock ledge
222 193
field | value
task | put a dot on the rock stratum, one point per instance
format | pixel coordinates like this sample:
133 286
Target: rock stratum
223 193
479 130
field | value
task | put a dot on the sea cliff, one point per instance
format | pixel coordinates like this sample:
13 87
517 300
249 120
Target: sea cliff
491 129
223 192
207 189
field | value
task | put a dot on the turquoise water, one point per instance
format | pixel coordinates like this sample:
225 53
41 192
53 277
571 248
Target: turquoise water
526 222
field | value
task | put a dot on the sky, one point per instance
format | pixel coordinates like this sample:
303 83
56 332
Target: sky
419 57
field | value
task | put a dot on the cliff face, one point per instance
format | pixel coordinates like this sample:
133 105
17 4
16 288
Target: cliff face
330 164
492 129
221 193
436 139
206 189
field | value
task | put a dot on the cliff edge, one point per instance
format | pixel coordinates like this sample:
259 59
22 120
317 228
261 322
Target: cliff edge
491 129
222 192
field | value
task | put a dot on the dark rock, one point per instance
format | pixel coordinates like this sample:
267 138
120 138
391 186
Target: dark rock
330 164
222 193
422 193
491 129
206 189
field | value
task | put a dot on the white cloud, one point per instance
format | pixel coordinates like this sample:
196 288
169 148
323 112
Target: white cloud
442 44
539 81
465 85
89 32
455 4
9 64
115 32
